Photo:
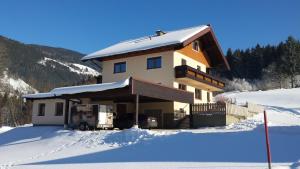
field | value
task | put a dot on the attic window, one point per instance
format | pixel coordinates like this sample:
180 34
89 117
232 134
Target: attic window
196 45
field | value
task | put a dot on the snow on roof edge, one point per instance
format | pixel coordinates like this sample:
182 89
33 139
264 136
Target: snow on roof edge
56 92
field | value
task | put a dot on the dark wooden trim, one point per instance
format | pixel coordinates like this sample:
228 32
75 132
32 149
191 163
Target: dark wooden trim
137 109
66 118
196 36
220 49
183 71
44 98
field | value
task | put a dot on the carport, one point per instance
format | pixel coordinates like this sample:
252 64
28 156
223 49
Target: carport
131 90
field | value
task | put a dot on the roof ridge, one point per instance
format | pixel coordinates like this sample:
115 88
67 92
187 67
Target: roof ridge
186 28
150 36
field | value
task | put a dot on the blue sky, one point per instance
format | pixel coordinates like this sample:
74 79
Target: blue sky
87 26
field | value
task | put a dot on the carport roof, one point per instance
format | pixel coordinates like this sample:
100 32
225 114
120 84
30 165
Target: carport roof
124 90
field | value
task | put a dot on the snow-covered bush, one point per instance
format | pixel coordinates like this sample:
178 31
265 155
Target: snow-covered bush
223 99
239 85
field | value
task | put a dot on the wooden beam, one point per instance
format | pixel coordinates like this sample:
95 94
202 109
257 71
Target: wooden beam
137 110
66 120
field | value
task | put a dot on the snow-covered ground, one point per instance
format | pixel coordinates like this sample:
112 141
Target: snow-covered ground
73 67
235 146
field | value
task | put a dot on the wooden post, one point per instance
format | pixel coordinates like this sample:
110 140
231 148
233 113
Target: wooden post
66 120
191 116
137 110
267 139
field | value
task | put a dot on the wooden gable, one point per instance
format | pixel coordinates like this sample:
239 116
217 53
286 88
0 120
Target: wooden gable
200 56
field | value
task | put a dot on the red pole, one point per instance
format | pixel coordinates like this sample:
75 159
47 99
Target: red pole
267 139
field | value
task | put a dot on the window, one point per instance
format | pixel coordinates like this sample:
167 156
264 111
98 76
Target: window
154 63
59 109
41 109
198 94
196 45
208 97
120 67
198 68
183 62
181 86
207 70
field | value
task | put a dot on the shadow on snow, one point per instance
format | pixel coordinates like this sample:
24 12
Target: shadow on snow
246 146
20 135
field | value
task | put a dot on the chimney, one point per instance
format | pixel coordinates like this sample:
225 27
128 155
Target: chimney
159 32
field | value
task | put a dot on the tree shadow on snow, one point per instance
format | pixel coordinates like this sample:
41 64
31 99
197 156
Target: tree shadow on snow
247 146
291 110
20 135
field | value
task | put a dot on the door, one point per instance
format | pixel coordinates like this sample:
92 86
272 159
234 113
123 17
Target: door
95 110
123 118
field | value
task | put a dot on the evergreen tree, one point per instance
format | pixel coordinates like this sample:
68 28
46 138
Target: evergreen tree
290 60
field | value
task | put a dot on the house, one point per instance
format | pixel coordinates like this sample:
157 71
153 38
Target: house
153 78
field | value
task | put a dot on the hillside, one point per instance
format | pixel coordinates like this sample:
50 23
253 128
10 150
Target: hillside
236 146
41 67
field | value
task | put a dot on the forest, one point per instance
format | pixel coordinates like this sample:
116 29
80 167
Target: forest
264 67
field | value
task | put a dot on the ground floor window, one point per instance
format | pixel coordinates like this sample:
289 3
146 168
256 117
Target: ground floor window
198 94
181 86
208 97
41 111
59 109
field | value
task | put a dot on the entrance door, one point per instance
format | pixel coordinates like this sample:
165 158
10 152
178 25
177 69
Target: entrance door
123 119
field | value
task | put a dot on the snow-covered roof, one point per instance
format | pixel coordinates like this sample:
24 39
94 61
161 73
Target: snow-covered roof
148 42
79 89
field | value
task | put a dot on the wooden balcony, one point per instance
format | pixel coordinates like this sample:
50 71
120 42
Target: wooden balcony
198 78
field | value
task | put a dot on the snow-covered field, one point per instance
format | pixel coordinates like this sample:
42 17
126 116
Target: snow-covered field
236 146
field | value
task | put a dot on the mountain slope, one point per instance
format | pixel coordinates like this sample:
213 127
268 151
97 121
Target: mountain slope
42 67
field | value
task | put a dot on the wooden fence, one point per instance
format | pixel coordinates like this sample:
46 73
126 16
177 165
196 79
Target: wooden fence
208 108
207 114
214 114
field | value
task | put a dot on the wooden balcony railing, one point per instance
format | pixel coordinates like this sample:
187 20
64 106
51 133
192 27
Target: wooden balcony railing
185 71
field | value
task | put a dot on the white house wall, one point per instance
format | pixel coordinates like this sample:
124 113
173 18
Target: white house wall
49 118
